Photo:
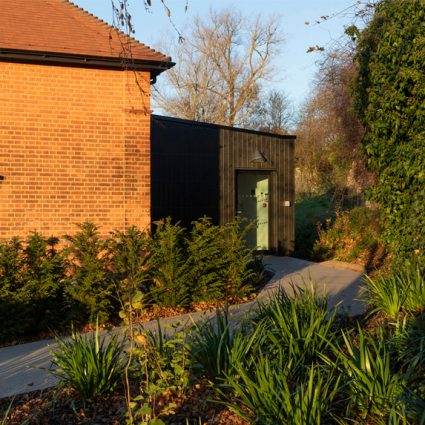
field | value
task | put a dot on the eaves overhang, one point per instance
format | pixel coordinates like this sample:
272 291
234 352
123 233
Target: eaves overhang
155 67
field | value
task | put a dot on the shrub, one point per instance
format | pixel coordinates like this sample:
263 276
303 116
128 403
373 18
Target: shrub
31 285
11 269
169 267
45 269
205 249
89 283
219 261
235 272
354 236
298 325
210 347
90 365
273 398
129 270
121 276
390 97
163 363
210 263
374 387
402 290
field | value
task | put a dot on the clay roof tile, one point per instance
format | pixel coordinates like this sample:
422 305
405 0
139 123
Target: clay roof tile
61 27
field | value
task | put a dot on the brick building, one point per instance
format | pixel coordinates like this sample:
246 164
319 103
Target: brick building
74 120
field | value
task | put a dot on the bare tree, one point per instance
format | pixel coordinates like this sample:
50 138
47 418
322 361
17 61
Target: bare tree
220 67
274 112
329 133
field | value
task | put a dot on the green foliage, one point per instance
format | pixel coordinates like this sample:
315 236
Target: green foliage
386 294
390 94
374 387
403 290
310 212
129 253
205 246
236 258
211 346
169 265
354 235
3 420
90 285
91 365
11 268
162 361
162 367
119 277
207 264
45 266
299 325
31 285
273 398
259 270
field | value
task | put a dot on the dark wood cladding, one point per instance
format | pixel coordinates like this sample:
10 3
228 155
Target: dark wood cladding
194 168
237 149
184 170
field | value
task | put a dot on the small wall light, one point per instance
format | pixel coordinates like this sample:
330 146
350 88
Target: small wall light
258 156
1 178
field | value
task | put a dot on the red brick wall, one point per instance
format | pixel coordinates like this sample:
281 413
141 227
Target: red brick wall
74 146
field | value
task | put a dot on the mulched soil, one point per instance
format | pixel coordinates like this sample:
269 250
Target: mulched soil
62 407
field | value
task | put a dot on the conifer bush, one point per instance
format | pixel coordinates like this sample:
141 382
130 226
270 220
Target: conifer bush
169 266
89 284
32 274
129 252
86 277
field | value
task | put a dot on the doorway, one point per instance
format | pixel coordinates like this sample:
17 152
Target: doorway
252 203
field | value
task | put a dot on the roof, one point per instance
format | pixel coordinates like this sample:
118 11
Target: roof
192 123
60 29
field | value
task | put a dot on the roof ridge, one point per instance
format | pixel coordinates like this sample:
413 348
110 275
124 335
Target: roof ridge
100 21
49 29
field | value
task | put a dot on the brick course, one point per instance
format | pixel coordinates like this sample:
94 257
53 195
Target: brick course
74 146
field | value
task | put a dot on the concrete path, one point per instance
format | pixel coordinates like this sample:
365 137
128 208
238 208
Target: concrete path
23 368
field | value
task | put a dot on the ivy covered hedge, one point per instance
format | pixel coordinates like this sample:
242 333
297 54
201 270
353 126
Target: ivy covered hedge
47 283
390 91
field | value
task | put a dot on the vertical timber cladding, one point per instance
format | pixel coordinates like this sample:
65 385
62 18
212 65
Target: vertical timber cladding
237 149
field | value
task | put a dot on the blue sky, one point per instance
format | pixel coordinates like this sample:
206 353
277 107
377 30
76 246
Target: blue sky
295 69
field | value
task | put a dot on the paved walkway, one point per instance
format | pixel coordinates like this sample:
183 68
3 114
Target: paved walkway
23 367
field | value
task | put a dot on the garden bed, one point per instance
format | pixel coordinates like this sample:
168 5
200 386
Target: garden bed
85 278
293 361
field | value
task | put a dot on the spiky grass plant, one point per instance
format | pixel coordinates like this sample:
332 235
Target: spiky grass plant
300 324
386 294
404 290
3 420
91 365
374 387
210 347
273 397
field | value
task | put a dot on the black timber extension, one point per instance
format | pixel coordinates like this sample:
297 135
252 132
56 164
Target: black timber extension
197 170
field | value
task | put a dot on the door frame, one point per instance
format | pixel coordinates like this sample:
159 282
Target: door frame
267 172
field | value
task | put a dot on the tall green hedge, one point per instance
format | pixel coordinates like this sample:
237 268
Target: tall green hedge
45 283
390 92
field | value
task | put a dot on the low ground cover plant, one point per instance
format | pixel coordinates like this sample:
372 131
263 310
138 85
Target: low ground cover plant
89 364
85 276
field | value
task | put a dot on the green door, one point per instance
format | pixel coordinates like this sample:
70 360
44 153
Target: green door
253 204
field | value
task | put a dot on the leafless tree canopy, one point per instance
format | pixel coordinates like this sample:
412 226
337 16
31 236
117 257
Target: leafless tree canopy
274 113
329 133
219 69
